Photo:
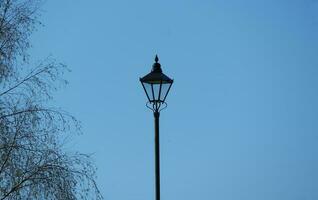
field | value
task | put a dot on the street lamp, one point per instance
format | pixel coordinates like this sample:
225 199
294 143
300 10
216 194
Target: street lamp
157 86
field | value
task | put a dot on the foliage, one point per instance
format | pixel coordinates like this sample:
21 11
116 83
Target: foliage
33 164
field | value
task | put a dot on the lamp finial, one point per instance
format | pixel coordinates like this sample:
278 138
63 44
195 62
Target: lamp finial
156 58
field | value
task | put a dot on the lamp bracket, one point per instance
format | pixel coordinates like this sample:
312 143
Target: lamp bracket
156 106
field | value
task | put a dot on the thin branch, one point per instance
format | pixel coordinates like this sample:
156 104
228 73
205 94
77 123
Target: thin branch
27 78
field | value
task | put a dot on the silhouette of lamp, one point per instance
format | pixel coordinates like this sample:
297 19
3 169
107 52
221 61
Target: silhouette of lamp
157 86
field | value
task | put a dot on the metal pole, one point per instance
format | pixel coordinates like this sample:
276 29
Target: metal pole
157 155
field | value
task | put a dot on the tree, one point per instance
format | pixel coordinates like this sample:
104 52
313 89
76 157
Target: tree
33 164
18 19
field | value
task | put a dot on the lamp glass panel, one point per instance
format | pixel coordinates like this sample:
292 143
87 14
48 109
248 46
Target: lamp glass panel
148 90
164 90
156 91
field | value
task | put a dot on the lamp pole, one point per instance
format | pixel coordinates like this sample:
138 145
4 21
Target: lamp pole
156 86
157 154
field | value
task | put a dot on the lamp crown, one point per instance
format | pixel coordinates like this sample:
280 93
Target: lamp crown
156 67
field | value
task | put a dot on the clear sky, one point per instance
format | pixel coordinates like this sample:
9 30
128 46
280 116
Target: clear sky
242 116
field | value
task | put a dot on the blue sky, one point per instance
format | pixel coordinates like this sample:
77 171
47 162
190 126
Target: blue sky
241 121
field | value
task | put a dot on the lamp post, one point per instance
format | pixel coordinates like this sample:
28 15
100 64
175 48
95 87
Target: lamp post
157 86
